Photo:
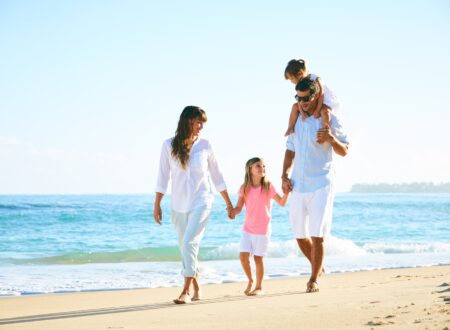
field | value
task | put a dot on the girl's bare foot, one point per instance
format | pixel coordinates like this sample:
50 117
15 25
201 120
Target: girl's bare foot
248 289
182 299
256 292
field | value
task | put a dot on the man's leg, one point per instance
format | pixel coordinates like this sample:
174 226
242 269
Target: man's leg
305 245
320 210
317 254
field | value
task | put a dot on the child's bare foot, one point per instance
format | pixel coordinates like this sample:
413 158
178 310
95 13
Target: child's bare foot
312 286
256 292
248 289
182 299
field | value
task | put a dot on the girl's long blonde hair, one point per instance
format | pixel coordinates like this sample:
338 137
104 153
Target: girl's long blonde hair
180 143
265 184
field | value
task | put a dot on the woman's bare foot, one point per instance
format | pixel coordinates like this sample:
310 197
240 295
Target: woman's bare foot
256 292
182 299
197 295
248 289
312 286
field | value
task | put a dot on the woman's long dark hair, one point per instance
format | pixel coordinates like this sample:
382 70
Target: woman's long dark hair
180 143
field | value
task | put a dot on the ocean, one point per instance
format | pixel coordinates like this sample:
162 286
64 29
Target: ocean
72 243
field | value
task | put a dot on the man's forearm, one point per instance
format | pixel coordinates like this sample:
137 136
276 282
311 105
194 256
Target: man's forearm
340 148
287 163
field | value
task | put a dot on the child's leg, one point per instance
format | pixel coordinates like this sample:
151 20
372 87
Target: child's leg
245 262
259 263
295 110
326 117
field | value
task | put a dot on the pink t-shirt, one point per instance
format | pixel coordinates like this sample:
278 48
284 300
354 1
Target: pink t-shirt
258 205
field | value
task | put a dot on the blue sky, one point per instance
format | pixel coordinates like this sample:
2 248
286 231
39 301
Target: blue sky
90 89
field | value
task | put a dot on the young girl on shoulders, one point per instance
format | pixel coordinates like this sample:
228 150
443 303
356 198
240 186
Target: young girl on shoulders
295 71
256 194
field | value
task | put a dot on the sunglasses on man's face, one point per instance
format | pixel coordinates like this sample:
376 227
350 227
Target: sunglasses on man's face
303 98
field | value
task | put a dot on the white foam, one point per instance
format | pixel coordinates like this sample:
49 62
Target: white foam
389 248
286 249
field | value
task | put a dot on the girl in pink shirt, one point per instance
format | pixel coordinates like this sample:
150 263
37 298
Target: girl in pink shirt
256 194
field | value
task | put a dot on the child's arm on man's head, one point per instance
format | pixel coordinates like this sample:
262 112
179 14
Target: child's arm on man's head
295 110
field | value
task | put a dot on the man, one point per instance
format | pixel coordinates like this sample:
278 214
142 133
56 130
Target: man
310 150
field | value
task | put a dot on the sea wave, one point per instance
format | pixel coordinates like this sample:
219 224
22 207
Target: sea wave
277 249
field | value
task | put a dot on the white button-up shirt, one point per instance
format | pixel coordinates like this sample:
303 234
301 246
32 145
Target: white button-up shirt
313 163
191 186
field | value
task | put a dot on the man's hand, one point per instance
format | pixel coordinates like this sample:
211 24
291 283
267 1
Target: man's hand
286 186
324 135
157 214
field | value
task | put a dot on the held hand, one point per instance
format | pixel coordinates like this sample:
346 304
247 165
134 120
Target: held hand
230 212
157 214
324 135
286 186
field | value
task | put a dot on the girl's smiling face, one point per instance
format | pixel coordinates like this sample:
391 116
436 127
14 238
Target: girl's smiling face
258 170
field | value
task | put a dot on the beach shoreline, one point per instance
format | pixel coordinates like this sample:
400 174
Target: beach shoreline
403 298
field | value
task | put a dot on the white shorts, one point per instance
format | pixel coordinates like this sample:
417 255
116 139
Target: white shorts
311 213
254 244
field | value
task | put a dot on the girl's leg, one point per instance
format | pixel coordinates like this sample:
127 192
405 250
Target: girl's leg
245 262
259 264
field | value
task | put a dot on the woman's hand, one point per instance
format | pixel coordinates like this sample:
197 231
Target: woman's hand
230 212
157 214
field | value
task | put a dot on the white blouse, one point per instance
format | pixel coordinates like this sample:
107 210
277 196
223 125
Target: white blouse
191 186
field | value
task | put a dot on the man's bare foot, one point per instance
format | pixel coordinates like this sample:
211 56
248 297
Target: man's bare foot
183 299
197 295
248 289
256 292
312 287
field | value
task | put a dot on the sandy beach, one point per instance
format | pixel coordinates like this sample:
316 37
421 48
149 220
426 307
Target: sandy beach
409 298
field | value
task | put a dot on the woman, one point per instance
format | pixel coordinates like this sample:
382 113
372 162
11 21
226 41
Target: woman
190 162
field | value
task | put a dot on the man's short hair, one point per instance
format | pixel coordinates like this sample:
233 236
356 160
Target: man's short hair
307 84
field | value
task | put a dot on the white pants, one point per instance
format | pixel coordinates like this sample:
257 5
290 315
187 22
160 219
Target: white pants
190 228
311 213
